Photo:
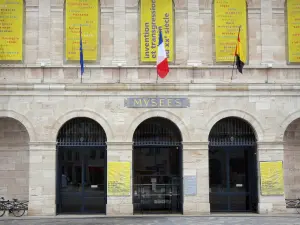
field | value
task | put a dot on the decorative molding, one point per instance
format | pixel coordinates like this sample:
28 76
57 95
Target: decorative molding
199 66
161 89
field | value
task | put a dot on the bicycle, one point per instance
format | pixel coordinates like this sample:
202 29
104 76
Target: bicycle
293 203
15 207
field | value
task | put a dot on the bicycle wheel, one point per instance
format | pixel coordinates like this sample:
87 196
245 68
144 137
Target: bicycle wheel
2 210
298 206
18 211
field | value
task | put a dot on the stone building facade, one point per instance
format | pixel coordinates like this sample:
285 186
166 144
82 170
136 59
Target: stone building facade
38 96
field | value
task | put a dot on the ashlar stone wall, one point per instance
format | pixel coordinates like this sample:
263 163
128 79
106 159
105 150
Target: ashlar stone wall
292 160
14 159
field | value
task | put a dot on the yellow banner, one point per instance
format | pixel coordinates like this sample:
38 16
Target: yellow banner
293 12
271 178
11 30
118 178
155 14
82 13
229 16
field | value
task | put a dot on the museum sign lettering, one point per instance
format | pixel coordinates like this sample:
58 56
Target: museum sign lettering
156 102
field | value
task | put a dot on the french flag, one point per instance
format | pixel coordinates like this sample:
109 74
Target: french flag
162 66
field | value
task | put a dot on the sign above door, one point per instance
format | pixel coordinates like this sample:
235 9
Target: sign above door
156 102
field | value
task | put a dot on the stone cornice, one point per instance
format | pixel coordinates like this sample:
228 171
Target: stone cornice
97 66
146 89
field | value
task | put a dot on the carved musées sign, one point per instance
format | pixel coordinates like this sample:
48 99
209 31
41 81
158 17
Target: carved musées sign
156 102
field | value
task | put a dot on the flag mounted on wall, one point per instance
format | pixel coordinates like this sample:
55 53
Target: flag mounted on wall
162 65
81 55
239 54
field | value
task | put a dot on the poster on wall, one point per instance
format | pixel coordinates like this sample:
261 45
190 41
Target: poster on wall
293 17
271 178
82 14
229 16
11 30
156 14
118 178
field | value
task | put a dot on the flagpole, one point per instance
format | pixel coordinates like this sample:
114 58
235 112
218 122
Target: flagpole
81 55
235 55
157 53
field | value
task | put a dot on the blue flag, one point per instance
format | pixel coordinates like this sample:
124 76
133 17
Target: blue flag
81 55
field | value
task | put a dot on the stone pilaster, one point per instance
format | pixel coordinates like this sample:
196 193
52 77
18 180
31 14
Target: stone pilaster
195 166
42 179
119 152
194 33
268 151
119 56
44 32
266 31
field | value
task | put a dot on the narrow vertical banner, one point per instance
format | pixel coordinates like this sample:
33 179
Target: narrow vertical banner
293 17
229 15
11 30
155 14
82 13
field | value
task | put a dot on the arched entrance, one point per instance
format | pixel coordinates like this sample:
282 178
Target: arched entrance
14 159
157 167
81 172
233 166
292 161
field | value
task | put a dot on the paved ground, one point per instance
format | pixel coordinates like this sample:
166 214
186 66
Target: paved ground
205 220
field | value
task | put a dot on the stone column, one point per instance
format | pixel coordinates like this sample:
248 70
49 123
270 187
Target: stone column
44 32
266 31
194 51
195 167
119 33
268 151
42 179
119 205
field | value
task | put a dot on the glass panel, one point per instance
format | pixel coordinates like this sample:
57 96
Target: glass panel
237 171
239 202
217 170
94 186
157 180
70 186
218 202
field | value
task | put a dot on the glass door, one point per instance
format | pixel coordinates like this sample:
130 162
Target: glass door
238 180
81 180
94 191
70 177
232 179
157 180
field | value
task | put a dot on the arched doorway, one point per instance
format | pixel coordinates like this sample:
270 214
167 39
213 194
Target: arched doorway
292 161
157 167
233 166
14 159
81 172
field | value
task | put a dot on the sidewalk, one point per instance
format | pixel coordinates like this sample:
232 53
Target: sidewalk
251 219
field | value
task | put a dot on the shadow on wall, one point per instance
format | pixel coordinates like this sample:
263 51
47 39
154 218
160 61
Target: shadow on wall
292 160
14 159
